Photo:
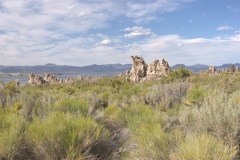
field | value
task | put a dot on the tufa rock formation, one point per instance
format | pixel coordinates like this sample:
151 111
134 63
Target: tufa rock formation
141 71
213 70
158 69
1 85
236 69
37 80
50 78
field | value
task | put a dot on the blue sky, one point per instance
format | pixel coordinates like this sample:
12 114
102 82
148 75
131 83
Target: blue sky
85 32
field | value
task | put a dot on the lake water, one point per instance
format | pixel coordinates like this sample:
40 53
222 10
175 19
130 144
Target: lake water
23 79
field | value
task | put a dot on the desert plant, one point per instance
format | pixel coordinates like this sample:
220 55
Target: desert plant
11 89
151 142
65 136
12 132
202 147
179 74
147 138
74 106
68 89
168 95
218 115
196 95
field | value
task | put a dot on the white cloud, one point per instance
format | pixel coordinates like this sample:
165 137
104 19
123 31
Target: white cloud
222 28
59 31
178 50
137 31
142 11
106 42
83 51
235 37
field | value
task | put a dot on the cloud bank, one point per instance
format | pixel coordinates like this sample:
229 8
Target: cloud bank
137 32
222 28
69 33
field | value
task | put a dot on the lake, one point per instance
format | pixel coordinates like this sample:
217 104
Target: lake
23 79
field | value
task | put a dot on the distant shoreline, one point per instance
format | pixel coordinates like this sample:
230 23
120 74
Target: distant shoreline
13 74
21 74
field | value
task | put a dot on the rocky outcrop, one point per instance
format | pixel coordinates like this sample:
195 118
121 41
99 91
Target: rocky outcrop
141 71
158 69
50 78
38 80
211 69
1 86
236 69
35 80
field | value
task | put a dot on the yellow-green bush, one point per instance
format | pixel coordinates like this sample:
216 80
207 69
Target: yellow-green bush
68 89
75 106
203 147
112 118
168 95
146 132
219 114
151 142
196 95
12 131
61 135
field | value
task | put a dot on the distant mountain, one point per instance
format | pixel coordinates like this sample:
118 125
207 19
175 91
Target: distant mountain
198 67
11 69
178 65
195 68
227 65
108 69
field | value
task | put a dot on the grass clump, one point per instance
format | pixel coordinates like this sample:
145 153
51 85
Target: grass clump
168 95
182 116
61 136
74 106
196 95
202 147
219 114
12 132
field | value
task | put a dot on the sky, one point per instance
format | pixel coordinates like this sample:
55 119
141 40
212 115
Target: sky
85 32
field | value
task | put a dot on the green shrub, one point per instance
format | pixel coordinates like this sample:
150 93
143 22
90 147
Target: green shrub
75 106
203 147
168 95
11 89
65 136
68 89
219 114
12 131
179 74
112 118
196 95
151 141
146 133
35 103
105 97
139 114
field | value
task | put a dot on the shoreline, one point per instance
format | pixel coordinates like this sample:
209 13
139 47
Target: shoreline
22 74
13 74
